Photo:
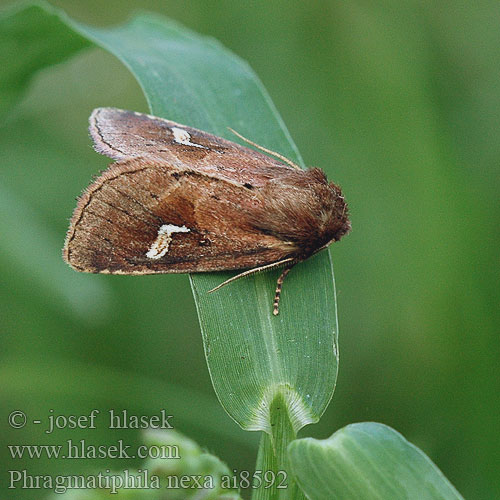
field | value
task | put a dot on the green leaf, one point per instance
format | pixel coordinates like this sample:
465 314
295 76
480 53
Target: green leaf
253 357
38 39
366 461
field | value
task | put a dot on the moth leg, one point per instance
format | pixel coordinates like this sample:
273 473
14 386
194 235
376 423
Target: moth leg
262 148
279 286
255 270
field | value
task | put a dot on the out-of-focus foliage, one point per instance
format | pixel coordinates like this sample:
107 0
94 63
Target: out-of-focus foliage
399 102
178 459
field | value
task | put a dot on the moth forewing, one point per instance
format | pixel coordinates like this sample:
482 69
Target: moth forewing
137 210
181 200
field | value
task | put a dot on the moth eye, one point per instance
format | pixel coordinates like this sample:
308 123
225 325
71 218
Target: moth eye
205 242
247 185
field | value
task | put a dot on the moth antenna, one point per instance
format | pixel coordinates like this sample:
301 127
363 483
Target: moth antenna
255 270
262 148
279 285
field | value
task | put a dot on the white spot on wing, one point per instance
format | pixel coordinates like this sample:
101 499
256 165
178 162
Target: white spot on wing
181 136
160 246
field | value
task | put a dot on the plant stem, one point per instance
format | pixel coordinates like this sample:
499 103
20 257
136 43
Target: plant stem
272 459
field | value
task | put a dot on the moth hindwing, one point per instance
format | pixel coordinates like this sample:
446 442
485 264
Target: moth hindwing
180 200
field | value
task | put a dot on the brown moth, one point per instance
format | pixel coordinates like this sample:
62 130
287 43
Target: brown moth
179 200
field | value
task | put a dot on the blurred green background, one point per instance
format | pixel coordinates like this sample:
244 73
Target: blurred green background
399 102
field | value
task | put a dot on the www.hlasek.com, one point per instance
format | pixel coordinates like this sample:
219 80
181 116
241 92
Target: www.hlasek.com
80 449
141 479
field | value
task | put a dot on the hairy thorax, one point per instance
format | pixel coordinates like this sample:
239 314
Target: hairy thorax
305 211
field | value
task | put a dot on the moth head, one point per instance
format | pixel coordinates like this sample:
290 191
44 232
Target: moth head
328 212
